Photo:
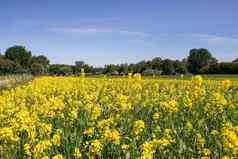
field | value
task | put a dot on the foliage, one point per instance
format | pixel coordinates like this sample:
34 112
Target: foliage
19 55
6 66
168 67
180 67
41 59
109 69
199 58
59 69
156 63
221 68
37 69
81 64
142 66
123 69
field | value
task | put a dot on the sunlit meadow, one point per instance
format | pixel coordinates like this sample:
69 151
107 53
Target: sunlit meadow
128 117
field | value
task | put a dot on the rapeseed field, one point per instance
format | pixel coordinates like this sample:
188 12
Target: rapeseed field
128 117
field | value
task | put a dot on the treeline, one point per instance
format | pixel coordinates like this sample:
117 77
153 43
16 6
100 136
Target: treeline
18 59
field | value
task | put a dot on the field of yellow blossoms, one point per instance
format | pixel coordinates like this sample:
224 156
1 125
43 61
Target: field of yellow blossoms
125 118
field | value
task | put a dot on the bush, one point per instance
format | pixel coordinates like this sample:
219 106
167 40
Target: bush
151 72
57 69
6 66
37 69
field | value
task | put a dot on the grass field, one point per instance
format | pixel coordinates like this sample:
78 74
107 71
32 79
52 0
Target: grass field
129 117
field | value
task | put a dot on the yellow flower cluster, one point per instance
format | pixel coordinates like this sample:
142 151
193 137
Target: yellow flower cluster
128 117
95 147
138 127
230 138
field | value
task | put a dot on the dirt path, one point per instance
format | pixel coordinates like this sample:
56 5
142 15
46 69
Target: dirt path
3 83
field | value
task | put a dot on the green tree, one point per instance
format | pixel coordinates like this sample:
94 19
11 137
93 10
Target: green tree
87 68
142 66
111 68
41 59
156 63
79 64
6 66
199 58
123 69
66 70
58 69
37 68
168 67
132 68
19 55
180 67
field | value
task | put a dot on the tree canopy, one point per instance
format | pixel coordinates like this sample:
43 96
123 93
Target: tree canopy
19 55
199 58
41 59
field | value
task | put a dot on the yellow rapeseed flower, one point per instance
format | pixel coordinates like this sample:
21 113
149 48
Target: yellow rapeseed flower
139 125
59 156
95 147
112 136
77 153
27 149
156 116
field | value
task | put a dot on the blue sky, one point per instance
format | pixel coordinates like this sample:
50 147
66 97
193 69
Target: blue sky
107 31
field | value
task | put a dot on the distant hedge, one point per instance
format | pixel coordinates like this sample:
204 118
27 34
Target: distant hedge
18 59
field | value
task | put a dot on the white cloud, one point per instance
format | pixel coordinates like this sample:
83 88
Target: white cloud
96 31
213 39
